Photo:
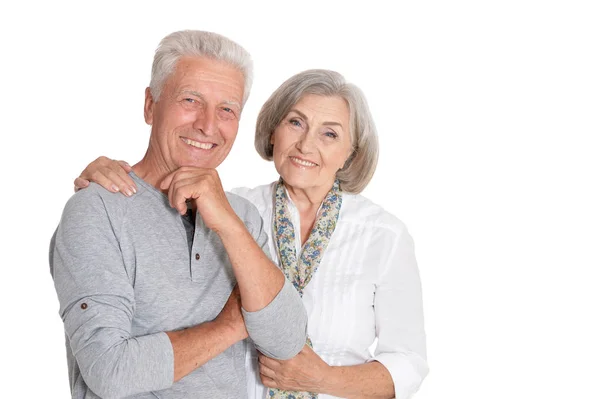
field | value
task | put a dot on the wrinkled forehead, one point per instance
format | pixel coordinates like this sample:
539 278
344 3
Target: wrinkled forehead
326 109
208 76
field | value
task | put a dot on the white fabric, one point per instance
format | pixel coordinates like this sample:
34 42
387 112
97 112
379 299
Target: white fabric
367 287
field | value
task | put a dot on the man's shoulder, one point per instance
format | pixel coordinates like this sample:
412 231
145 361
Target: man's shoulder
245 209
95 202
95 196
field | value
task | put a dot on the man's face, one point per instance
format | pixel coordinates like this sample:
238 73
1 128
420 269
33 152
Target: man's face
196 118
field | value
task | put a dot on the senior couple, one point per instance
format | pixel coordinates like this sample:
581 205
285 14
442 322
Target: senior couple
170 290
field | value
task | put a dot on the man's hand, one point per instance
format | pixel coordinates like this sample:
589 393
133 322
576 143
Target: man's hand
304 372
204 187
231 315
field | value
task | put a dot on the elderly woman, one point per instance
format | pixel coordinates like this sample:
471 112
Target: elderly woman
352 262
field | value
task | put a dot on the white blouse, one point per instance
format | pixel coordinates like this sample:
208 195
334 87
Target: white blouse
366 289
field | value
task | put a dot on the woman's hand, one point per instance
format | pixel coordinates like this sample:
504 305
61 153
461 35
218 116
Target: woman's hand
110 174
304 372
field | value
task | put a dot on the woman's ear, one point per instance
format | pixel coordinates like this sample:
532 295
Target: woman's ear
349 158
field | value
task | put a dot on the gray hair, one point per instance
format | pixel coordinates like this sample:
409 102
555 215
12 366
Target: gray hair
194 43
360 166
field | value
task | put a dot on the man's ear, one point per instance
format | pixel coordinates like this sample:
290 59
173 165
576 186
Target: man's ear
148 107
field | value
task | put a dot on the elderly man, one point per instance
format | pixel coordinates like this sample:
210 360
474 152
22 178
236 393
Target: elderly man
147 282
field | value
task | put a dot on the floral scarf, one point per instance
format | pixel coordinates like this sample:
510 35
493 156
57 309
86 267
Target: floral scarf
301 270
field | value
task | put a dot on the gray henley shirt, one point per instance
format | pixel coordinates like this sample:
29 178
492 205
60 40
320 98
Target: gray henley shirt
124 275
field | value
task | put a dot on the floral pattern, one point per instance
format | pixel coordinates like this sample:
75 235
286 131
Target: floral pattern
299 271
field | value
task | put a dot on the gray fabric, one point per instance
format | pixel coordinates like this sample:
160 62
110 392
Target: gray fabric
124 275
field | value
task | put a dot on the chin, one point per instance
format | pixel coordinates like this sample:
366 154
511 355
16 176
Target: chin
301 182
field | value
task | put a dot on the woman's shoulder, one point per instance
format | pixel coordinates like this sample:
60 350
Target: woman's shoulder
260 196
359 209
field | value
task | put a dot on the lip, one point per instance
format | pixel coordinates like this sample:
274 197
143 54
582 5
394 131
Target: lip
294 161
198 145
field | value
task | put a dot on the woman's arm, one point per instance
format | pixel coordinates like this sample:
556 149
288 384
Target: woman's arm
110 174
399 323
308 372
399 365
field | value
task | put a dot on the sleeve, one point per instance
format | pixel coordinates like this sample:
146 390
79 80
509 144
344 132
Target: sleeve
399 319
279 329
97 305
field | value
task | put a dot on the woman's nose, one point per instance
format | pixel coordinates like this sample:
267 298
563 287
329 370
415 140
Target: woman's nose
306 143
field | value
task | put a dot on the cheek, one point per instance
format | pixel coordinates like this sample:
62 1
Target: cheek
335 158
229 130
173 117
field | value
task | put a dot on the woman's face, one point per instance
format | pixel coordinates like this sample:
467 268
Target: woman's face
312 142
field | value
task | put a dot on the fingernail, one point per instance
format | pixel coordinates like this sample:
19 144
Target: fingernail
128 192
115 188
134 190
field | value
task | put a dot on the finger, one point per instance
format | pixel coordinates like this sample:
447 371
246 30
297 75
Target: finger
106 182
125 166
122 169
97 165
267 372
166 182
121 180
268 362
186 187
183 172
178 194
80 183
268 382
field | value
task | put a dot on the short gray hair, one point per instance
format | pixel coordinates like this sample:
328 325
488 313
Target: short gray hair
360 166
195 43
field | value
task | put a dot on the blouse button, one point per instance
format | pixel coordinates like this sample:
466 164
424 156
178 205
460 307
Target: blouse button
84 306
197 256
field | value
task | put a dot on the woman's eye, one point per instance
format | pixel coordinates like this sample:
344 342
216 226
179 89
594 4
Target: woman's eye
332 135
295 122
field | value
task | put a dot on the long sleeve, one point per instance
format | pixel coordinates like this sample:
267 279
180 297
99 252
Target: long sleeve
279 329
399 319
97 305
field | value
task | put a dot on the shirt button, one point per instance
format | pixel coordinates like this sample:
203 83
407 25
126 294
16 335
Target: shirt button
84 306
197 256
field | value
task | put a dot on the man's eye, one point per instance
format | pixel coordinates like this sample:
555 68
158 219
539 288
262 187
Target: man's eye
190 100
227 113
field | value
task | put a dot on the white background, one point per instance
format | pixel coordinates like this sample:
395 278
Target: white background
488 114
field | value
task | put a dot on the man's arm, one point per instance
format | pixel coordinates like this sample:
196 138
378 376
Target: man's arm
195 346
273 311
274 314
97 306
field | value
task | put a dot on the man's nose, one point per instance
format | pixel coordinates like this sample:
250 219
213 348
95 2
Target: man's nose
206 122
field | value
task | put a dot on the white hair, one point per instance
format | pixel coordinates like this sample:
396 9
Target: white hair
194 43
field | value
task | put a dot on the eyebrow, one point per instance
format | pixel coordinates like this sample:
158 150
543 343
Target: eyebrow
327 123
227 102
